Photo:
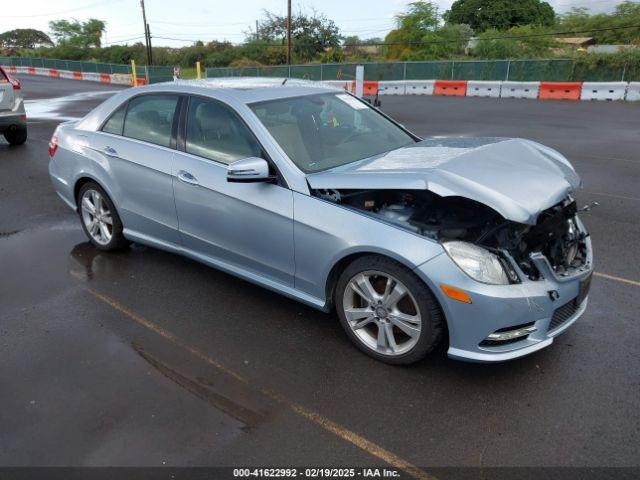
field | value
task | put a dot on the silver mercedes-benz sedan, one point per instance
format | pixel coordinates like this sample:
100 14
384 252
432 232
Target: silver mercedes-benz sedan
313 193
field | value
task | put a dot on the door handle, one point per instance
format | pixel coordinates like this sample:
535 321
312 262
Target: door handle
186 177
110 151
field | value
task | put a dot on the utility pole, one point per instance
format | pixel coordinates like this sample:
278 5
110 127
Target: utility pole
147 35
257 31
150 53
288 32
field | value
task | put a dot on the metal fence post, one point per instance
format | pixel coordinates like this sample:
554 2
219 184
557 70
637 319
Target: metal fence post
452 64
404 73
508 69
624 70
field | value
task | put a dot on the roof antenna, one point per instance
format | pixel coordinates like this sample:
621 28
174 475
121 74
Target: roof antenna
285 81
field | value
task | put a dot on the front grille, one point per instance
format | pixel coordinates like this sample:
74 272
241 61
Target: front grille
562 314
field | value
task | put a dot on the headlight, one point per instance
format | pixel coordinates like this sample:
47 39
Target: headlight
477 262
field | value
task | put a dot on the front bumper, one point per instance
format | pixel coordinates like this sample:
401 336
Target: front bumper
496 307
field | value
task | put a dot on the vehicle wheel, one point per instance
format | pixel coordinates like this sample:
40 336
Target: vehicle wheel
99 218
16 135
387 311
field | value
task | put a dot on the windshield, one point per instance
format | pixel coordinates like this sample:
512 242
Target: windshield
327 130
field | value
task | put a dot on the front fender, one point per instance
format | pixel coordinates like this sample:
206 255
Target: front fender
326 233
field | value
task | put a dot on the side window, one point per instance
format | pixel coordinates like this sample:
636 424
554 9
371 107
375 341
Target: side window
150 117
116 121
216 132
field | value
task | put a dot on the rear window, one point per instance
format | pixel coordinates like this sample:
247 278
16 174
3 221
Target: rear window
116 121
150 118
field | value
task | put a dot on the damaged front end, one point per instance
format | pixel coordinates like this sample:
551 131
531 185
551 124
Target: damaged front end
557 237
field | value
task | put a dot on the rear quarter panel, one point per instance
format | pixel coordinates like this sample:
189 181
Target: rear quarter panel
74 160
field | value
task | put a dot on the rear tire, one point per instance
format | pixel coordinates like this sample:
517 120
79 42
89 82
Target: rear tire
16 135
387 311
99 218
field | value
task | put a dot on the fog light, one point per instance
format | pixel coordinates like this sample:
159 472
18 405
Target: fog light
508 335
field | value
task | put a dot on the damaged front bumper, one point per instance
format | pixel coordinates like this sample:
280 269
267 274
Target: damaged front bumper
534 312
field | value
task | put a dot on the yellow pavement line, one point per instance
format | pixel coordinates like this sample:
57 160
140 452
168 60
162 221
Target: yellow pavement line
328 425
362 443
618 279
163 333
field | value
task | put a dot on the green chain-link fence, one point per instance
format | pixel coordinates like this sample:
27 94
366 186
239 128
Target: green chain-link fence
556 70
152 74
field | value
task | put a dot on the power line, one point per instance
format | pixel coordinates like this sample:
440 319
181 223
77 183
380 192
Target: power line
114 42
50 14
390 44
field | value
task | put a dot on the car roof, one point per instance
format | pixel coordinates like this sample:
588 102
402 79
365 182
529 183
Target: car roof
249 90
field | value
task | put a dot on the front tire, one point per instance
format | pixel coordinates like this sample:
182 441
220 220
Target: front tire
387 311
16 135
99 218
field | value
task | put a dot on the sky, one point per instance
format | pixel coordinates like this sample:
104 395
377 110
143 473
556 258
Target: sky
178 22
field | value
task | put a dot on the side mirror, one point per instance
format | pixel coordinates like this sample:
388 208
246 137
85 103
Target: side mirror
252 169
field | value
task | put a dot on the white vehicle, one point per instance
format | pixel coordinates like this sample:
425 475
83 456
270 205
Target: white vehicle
13 118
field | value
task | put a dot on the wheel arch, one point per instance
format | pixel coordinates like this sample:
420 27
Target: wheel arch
344 261
85 178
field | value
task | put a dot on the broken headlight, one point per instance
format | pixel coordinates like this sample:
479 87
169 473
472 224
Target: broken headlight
477 262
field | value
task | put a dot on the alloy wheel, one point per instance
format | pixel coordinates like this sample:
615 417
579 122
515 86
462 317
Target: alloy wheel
96 216
382 313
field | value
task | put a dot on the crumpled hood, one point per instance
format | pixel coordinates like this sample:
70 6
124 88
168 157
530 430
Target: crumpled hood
517 178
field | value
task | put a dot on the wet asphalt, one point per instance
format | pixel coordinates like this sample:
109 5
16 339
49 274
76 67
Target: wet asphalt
144 358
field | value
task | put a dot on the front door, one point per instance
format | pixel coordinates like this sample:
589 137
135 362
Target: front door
247 226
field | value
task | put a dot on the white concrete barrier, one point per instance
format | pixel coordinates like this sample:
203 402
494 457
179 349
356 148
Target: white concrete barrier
419 87
603 91
337 83
633 91
92 77
121 78
392 87
483 88
519 89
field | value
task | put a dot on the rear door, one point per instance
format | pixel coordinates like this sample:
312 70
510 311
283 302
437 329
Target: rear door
137 142
6 92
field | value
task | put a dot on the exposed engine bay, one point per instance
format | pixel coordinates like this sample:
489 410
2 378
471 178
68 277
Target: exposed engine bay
556 234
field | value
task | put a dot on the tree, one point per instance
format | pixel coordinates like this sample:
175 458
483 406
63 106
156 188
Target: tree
482 15
412 26
625 14
525 41
311 34
24 38
78 34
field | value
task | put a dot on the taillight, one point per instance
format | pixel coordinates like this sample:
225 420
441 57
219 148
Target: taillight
15 83
53 146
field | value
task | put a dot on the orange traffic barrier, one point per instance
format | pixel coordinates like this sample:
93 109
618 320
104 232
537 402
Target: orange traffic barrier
141 81
31 70
450 88
53 72
560 90
368 88
77 75
105 78
13 69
